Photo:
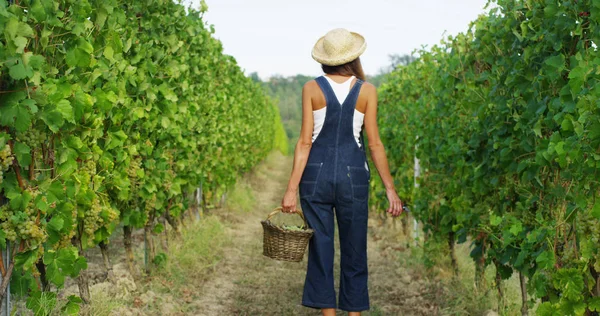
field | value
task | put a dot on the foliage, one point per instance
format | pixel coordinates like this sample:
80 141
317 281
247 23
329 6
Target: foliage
506 123
110 111
287 92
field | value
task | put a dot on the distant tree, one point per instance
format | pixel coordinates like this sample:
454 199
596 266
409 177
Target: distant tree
396 60
254 76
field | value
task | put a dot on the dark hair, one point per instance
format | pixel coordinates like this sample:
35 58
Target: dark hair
353 68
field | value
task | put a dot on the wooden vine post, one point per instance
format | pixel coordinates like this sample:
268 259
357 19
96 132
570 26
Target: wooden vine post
128 244
7 266
523 286
417 174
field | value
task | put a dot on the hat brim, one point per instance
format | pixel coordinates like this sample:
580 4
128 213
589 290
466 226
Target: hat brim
358 47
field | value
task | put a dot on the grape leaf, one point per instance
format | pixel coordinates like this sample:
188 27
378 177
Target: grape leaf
495 220
26 259
18 71
73 305
66 110
594 304
109 53
56 223
545 260
22 118
557 62
23 154
596 209
20 43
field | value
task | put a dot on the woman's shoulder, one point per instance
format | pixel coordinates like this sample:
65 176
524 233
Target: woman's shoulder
310 86
368 88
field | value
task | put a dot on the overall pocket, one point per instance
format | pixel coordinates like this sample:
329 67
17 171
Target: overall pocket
310 177
359 180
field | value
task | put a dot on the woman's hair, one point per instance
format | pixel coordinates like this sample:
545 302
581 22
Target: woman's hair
353 68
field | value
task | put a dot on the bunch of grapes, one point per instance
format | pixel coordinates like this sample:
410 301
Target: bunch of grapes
90 167
150 205
32 137
134 166
24 225
168 179
87 171
101 214
589 227
92 219
111 214
9 231
6 159
65 239
293 228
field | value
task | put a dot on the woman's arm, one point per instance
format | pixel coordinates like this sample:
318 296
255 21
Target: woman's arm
378 150
302 149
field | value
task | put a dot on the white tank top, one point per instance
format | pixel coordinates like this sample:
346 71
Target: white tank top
341 91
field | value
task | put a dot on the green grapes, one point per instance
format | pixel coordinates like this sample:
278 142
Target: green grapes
150 205
589 228
134 166
293 228
24 224
66 238
92 220
99 215
90 166
6 159
32 137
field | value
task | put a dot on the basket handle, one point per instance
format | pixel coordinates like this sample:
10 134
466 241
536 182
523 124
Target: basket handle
279 209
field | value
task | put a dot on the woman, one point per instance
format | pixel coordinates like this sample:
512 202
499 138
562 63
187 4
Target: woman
331 172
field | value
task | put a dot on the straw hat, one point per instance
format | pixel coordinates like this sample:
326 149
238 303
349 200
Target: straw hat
338 46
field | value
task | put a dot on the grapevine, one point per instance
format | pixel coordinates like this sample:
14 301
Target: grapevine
110 113
503 119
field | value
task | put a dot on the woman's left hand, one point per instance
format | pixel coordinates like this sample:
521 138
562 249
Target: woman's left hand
395 203
289 201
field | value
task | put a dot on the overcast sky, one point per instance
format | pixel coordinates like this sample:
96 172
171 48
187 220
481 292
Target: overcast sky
276 36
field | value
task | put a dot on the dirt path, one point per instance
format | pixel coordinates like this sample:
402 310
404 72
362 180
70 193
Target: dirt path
247 283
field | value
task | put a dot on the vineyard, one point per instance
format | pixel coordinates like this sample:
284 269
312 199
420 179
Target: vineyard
112 115
505 121
125 117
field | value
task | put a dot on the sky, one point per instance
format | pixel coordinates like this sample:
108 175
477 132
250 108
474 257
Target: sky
275 37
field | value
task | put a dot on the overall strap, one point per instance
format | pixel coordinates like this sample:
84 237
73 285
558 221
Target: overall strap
354 92
353 96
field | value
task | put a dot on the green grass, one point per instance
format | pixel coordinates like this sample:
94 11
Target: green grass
460 296
101 304
195 253
189 260
104 305
241 198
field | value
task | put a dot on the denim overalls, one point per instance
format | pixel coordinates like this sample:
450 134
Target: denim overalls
336 177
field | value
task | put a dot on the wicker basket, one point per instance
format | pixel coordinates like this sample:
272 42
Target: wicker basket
284 245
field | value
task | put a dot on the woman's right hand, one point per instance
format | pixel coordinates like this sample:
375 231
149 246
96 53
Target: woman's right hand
395 203
288 203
